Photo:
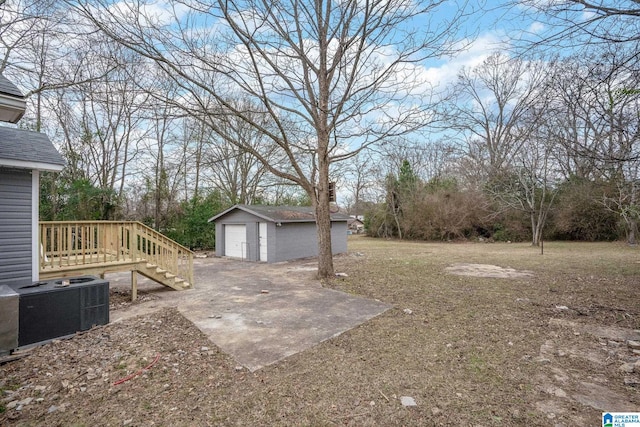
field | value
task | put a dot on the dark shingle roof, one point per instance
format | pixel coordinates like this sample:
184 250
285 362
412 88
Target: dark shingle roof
27 146
281 213
9 88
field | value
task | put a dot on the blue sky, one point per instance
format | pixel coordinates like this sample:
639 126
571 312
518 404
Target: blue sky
490 27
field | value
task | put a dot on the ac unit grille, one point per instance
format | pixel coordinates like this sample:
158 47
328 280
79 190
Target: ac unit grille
94 306
48 311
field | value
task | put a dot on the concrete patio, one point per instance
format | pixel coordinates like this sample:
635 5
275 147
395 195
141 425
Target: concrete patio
257 313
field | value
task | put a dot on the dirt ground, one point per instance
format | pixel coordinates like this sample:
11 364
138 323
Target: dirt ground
547 340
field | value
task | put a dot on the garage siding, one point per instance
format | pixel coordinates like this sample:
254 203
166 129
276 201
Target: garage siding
338 237
15 226
296 240
300 240
289 240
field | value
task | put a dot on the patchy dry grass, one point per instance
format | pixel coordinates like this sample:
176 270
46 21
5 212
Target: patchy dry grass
470 352
467 341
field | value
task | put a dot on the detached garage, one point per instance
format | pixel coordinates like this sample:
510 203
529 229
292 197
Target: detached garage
274 233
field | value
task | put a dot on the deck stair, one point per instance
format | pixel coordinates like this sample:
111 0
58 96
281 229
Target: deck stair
160 275
69 248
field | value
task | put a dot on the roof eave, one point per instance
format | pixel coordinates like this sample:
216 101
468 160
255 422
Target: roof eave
242 208
265 217
12 108
223 213
41 166
285 221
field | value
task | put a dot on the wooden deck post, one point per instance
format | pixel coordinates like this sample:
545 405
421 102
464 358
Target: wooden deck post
134 285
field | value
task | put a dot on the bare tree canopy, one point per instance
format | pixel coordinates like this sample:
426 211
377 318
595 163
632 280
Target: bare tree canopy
579 22
596 112
332 77
492 107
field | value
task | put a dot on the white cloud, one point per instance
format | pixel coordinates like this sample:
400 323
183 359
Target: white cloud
536 28
471 56
156 13
588 15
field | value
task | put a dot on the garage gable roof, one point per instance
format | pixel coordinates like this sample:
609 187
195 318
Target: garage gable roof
25 149
280 213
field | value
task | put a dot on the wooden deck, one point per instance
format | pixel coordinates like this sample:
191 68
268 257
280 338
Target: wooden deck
71 248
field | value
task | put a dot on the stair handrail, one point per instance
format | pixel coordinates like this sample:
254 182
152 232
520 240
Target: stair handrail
75 243
164 252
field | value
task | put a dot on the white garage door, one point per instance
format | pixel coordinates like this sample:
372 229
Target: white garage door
234 240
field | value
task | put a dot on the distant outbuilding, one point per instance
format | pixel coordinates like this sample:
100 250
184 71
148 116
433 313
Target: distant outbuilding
274 233
356 225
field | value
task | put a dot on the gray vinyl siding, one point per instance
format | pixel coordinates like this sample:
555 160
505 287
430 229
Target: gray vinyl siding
338 237
15 226
296 240
252 249
219 239
300 240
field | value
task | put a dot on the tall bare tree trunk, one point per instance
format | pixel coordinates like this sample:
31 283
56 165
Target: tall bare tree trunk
321 205
323 225
632 228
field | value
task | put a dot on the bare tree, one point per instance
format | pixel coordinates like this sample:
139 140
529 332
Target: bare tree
593 120
101 120
618 141
501 110
30 43
43 50
625 202
578 22
195 135
236 171
570 120
529 185
109 123
161 161
492 102
592 110
361 178
21 23
346 74
428 159
596 127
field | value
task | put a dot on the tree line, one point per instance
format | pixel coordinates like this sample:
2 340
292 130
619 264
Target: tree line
541 147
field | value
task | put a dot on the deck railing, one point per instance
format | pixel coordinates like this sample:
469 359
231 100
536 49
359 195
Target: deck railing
68 244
